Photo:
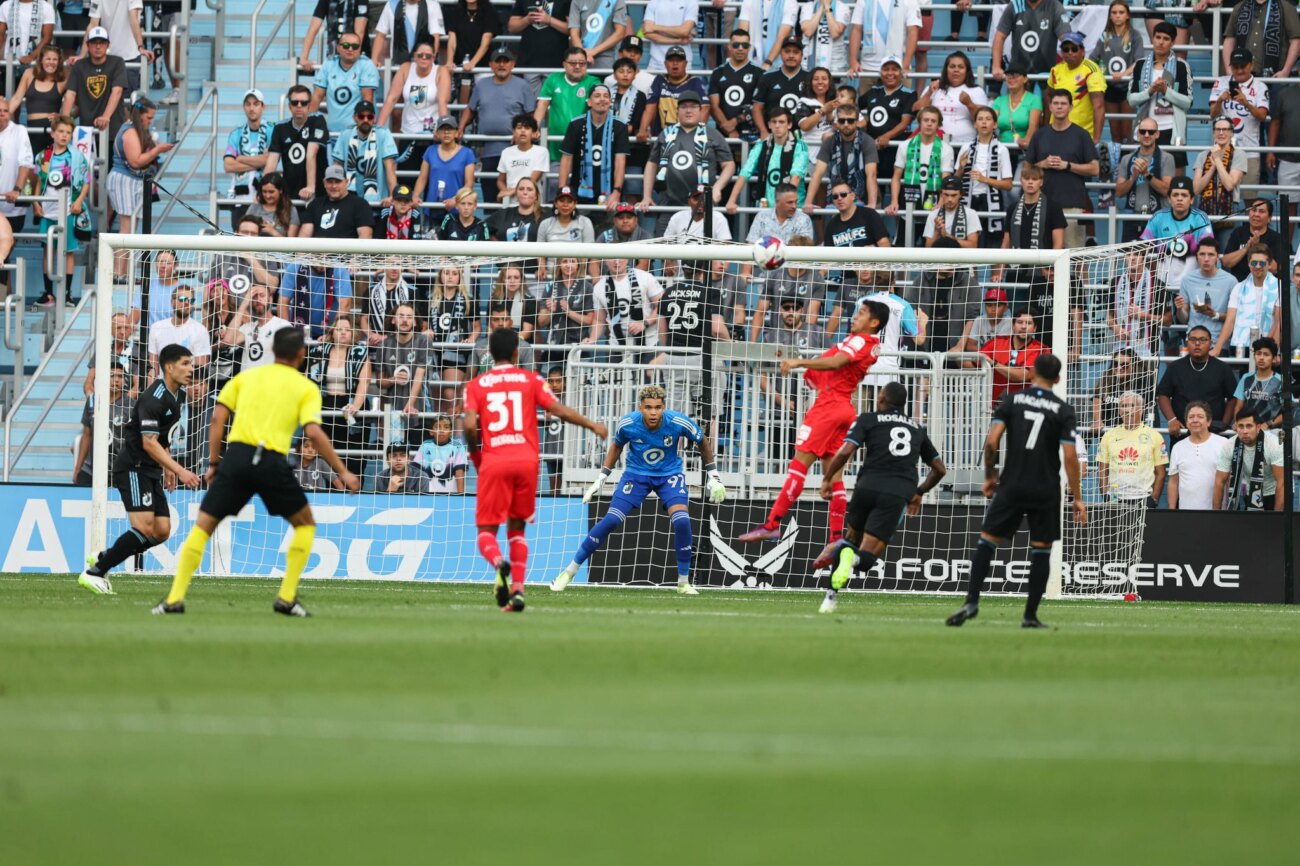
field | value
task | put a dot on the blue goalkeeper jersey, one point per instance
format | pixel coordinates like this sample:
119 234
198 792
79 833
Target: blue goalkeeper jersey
654 453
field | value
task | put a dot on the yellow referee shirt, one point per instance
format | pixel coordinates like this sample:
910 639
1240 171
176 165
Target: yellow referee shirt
1132 456
270 403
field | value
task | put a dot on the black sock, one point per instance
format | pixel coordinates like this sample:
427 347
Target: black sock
128 544
67 286
866 560
1040 568
979 569
49 285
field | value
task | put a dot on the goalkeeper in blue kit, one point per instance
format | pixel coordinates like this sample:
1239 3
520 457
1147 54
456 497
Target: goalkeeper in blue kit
652 435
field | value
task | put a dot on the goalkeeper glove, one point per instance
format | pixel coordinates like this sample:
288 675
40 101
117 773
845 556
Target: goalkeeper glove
596 485
713 486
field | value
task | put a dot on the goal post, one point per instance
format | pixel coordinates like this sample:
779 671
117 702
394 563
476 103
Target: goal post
601 380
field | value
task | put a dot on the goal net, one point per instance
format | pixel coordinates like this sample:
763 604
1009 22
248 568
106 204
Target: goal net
399 327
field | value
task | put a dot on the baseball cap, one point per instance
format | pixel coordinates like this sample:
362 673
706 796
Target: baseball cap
566 192
689 96
676 51
951 183
335 172
502 52
1181 182
1074 38
698 190
995 295
256 94
447 121
624 207
632 43
1241 57
363 106
96 34
402 191
891 58
792 301
792 42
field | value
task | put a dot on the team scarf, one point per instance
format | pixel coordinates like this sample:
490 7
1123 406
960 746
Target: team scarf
875 35
1272 59
1246 492
1153 170
635 308
1140 333
766 180
318 358
1215 200
383 301
404 37
407 228
33 35
362 164
928 183
957 228
1038 226
993 198
252 142
595 23
847 163
625 106
771 27
588 150
451 317
1148 69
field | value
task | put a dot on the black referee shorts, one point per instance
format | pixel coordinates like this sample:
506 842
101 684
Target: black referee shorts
874 513
1002 518
237 480
142 492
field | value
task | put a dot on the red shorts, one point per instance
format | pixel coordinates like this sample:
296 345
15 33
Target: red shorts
823 428
506 491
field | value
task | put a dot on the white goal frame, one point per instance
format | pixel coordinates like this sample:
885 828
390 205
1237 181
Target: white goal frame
111 243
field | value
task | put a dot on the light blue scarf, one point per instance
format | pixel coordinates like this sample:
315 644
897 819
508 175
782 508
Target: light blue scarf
585 189
594 26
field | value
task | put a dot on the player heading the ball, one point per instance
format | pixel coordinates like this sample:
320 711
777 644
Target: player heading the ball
652 435
835 377
1039 426
145 470
886 487
269 404
505 453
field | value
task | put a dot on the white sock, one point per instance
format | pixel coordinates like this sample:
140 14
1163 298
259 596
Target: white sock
683 580
571 569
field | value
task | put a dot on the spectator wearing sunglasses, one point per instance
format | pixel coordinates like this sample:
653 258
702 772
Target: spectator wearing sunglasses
1254 309
849 155
300 143
346 78
368 155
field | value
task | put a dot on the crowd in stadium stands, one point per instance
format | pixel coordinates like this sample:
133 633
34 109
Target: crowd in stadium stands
810 112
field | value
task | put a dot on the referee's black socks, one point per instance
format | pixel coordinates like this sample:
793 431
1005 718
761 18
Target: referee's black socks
979 569
1040 568
128 544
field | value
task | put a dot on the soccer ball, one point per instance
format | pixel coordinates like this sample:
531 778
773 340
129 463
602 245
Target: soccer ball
769 252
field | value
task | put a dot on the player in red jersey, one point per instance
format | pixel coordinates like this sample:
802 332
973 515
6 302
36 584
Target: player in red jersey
505 453
835 377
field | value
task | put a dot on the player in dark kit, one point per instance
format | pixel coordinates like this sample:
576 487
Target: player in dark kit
144 470
886 485
1038 425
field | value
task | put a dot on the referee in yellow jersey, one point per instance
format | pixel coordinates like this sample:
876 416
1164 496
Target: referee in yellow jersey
269 404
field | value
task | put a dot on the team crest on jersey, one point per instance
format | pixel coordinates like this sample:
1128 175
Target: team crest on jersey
875 351
668 440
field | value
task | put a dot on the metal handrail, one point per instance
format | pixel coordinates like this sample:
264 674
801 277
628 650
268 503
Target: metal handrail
209 147
256 54
13 458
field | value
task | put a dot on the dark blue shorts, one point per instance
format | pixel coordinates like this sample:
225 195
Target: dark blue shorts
633 489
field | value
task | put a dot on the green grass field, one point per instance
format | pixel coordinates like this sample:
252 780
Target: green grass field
611 727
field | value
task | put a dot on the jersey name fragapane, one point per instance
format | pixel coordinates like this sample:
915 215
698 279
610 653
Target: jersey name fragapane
654 453
863 350
507 399
1038 423
892 443
155 414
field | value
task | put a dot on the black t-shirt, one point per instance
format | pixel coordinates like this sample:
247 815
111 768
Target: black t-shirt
884 111
683 306
338 219
735 87
470 28
562 330
893 443
1240 239
1182 383
509 225
340 16
576 145
93 83
776 88
1072 145
452 229
1038 422
155 413
542 46
864 228
119 413
1055 220
291 144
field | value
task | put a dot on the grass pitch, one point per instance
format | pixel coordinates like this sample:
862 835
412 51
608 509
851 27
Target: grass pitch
612 727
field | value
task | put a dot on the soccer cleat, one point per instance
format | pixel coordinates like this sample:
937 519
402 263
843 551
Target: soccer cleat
561 581
829 603
965 612
686 589
96 583
1033 622
515 604
760 533
840 576
827 557
163 607
502 591
289 608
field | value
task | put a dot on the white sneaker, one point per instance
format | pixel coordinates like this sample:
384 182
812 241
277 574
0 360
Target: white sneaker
173 97
561 581
95 583
828 604
686 589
